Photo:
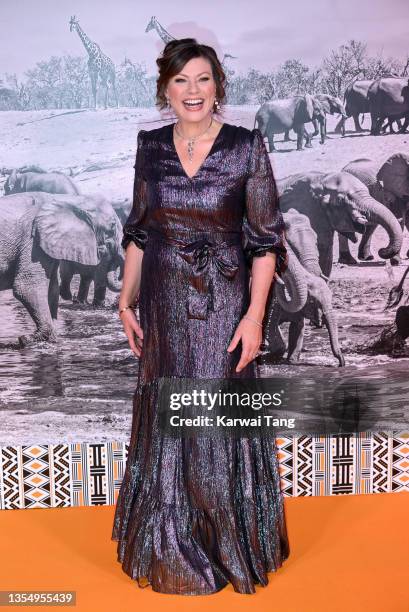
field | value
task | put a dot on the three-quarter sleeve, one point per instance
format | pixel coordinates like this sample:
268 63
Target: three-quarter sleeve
135 229
263 223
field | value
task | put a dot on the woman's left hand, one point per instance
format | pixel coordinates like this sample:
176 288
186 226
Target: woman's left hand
251 336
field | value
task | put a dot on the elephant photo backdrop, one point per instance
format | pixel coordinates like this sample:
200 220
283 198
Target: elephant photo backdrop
326 83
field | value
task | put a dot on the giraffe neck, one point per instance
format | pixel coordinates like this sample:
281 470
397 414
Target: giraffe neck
165 36
90 47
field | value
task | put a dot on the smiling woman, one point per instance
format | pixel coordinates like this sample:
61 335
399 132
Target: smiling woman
194 514
193 92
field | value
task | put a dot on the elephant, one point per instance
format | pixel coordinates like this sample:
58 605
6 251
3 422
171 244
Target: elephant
278 116
337 201
318 295
355 103
388 184
331 106
104 275
303 241
51 182
38 230
388 98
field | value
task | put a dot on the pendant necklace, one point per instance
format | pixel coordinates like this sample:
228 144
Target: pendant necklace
191 140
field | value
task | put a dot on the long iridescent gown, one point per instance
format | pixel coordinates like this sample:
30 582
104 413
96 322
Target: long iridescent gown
194 514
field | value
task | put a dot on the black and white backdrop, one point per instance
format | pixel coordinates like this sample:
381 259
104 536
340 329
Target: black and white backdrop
77 82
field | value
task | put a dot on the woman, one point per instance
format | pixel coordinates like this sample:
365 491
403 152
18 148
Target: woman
194 514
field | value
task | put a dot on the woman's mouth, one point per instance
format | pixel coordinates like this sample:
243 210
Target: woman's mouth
193 104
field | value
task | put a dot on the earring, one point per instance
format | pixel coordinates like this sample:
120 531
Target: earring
168 102
216 104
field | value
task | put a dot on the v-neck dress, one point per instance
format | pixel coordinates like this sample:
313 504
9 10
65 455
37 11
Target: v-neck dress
194 514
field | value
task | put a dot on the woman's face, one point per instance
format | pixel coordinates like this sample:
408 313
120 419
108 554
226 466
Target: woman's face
195 82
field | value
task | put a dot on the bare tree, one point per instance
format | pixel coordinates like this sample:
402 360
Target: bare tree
343 65
378 66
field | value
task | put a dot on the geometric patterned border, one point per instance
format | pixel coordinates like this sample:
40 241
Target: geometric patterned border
90 474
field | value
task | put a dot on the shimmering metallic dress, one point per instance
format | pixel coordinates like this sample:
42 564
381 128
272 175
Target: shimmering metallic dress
194 514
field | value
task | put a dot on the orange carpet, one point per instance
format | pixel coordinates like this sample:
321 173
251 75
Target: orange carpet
348 553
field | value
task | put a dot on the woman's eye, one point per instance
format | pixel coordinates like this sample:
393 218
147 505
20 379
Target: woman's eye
179 80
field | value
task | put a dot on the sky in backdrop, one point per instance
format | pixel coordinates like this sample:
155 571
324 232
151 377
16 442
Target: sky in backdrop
260 34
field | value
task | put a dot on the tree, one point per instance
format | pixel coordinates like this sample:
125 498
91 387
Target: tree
342 66
45 80
75 82
291 79
20 99
134 84
378 66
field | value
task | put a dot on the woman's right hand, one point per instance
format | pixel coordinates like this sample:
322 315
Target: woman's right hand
132 330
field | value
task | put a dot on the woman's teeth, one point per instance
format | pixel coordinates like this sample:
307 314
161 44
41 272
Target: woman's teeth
193 104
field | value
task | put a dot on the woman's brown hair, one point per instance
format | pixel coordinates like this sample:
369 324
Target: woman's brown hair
173 58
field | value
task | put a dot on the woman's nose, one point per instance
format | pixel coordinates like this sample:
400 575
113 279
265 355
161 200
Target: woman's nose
193 88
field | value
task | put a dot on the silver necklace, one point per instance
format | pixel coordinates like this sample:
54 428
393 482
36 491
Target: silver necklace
191 140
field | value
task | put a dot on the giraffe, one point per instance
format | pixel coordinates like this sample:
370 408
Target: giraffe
99 64
163 34
166 37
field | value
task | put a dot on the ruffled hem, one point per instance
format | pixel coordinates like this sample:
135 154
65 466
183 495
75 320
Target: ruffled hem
181 549
215 547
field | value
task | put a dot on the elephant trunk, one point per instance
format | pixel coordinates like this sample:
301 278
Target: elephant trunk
377 214
295 285
332 327
121 269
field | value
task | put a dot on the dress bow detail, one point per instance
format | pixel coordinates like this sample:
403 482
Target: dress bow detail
200 254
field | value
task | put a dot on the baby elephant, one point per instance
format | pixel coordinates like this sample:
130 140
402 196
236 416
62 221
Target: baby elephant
304 256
